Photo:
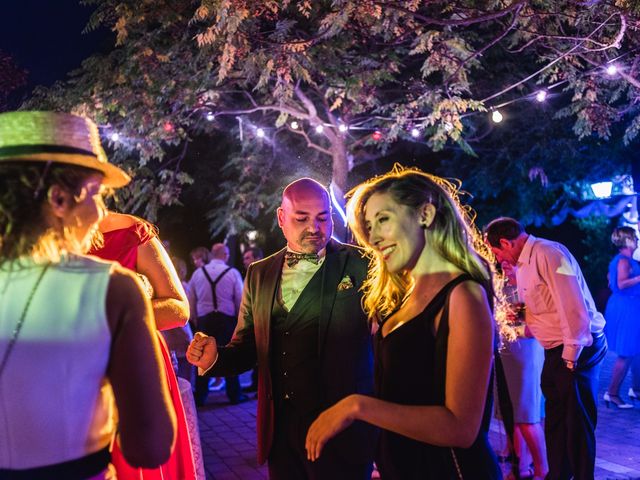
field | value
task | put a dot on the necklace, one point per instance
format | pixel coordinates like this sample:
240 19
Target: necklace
18 327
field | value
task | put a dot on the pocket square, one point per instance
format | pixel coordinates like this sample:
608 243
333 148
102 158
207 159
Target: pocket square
345 283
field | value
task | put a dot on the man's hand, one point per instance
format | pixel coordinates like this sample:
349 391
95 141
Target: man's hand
202 351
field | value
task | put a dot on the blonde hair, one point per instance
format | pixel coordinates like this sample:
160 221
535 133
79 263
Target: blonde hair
453 234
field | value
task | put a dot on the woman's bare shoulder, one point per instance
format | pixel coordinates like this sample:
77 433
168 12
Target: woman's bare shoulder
116 221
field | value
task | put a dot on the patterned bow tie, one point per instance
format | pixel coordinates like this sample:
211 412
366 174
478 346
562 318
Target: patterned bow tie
292 258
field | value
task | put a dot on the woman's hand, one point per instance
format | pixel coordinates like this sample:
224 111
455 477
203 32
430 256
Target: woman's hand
329 423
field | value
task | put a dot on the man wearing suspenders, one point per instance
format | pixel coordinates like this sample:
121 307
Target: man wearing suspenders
215 291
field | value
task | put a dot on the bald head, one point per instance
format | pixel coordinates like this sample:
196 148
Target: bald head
305 216
220 251
303 188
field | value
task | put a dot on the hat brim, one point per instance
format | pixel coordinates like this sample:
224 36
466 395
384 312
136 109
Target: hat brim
114 176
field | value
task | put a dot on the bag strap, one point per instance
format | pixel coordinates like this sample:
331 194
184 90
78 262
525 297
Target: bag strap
213 284
23 315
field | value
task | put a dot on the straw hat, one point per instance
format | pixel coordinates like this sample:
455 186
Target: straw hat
56 137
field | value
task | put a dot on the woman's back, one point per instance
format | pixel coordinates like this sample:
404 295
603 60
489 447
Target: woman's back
56 399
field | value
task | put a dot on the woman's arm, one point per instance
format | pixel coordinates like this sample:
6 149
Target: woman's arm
456 424
625 280
147 421
170 303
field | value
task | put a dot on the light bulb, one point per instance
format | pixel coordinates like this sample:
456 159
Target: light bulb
612 69
343 128
496 116
115 136
294 125
319 129
541 96
260 133
415 133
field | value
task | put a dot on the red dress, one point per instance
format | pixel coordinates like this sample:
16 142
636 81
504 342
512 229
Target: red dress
122 246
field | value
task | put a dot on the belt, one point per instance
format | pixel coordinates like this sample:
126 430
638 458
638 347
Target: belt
80 468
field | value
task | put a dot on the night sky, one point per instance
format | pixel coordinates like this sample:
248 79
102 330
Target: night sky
45 37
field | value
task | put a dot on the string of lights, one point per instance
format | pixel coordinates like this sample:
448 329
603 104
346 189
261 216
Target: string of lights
611 69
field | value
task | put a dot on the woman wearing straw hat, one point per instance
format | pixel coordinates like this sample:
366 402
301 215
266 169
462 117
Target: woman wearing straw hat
76 333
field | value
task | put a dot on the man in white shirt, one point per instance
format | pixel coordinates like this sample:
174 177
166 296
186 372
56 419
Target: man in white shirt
301 318
561 314
214 292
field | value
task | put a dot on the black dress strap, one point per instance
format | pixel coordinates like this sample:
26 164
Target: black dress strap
442 337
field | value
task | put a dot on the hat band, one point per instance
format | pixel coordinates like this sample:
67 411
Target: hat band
18 150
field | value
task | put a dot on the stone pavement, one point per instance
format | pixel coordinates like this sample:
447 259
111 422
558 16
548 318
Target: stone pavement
228 437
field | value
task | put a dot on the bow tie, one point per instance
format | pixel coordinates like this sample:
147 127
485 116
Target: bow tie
292 258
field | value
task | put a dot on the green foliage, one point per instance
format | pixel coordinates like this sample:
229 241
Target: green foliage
597 240
387 66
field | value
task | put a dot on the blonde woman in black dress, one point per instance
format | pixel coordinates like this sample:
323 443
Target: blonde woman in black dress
428 289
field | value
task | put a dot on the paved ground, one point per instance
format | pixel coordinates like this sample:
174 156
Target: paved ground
228 438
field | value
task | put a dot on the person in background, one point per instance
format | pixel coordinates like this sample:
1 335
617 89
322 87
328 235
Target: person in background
215 290
522 361
623 314
428 290
134 244
85 321
301 319
200 256
251 255
561 315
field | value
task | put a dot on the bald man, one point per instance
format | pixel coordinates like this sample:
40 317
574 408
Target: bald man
301 319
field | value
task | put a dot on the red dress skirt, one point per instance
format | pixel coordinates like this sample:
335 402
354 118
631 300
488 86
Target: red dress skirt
122 246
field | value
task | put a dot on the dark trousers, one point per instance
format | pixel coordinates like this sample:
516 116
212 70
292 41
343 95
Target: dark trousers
220 326
288 457
571 411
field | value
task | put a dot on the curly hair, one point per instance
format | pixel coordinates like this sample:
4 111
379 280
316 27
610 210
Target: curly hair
24 226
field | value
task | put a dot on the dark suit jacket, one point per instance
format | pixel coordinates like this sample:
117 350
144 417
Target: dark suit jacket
344 343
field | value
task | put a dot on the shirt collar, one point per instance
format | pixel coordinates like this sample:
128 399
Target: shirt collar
217 261
527 250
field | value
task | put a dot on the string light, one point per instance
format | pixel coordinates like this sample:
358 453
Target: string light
210 116
415 133
167 127
496 116
541 96
294 125
115 136
260 133
343 128
377 135
612 69
319 129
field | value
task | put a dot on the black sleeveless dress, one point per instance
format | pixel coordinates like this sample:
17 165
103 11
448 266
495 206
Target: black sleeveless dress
410 369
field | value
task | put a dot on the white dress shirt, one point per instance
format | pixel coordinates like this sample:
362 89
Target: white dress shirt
228 289
295 279
559 307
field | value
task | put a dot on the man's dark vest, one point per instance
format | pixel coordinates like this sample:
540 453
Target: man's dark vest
294 350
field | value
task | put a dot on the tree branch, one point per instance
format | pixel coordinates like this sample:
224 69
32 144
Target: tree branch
310 144
454 23
487 46
553 62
